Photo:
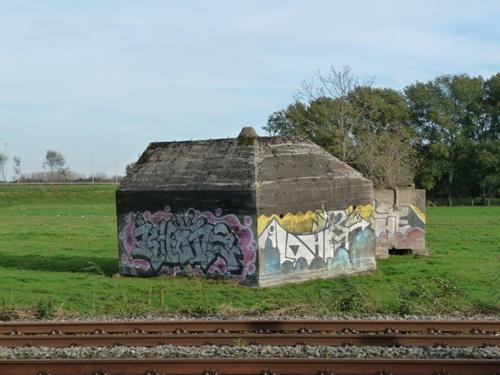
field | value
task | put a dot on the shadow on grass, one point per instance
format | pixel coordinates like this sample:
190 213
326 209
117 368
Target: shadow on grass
60 263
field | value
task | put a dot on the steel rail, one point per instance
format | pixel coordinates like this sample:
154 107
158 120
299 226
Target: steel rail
354 326
149 340
250 366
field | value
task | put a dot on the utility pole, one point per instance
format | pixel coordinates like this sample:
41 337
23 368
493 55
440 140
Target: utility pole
92 166
4 165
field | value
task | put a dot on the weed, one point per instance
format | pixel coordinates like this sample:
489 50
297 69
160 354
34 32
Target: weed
6 312
481 307
239 342
94 267
437 295
45 309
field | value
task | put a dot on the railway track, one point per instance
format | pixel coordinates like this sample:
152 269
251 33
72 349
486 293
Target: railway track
259 332
238 326
251 366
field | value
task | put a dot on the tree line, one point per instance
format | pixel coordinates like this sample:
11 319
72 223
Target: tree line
54 170
53 164
442 135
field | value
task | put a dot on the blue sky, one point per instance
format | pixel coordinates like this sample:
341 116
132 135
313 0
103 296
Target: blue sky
109 76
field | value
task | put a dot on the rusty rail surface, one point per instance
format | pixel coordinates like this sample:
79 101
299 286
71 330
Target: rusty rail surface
251 366
149 340
230 326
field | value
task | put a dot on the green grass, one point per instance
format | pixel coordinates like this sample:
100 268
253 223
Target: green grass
58 251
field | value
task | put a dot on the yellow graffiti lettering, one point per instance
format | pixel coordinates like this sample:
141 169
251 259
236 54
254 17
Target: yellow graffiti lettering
311 221
365 211
418 212
296 223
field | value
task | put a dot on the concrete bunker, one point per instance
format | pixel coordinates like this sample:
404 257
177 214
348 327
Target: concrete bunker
399 220
260 210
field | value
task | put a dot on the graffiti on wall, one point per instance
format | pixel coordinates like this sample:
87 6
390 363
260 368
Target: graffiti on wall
197 242
339 241
403 228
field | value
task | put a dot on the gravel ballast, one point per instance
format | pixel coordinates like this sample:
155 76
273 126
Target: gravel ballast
107 318
250 351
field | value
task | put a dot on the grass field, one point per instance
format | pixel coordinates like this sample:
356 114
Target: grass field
58 255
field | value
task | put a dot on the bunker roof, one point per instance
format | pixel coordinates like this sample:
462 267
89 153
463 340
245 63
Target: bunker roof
233 164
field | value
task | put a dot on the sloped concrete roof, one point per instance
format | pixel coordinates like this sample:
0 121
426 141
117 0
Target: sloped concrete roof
283 159
233 164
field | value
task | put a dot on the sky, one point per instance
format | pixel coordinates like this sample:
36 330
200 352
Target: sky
107 77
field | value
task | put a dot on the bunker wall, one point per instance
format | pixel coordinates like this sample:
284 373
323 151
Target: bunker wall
400 220
314 229
205 233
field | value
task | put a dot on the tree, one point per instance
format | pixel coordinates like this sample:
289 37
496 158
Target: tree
488 159
364 126
333 115
387 159
3 162
17 167
53 161
101 176
492 107
323 112
447 114
385 110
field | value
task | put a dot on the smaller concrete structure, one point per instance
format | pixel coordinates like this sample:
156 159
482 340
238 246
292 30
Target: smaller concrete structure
399 220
